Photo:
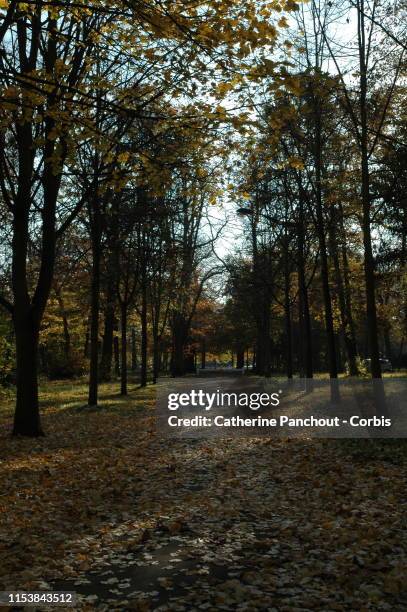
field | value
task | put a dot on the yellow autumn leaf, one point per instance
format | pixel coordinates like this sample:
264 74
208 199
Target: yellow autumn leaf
123 157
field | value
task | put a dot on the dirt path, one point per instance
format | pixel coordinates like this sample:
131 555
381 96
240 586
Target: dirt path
130 520
258 526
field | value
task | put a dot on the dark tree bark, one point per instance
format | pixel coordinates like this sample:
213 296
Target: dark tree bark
107 344
240 359
369 265
348 296
344 307
86 343
28 313
109 322
134 361
35 189
287 312
329 321
288 329
27 415
116 351
203 354
262 303
306 361
189 362
96 234
156 355
65 324
123 380
144 328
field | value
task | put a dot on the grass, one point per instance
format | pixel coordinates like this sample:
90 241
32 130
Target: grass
71 396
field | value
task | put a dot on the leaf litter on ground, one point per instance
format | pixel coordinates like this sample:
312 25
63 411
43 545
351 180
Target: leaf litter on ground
107 507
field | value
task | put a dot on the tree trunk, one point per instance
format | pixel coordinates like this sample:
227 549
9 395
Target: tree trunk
306 360
240 359
261 305
156 355
65 324
307 335
329 322
134 362
306 365
287 313
123 385
189 362
348 297
178 345
27 314
203 354
27 415
369 266
86 343
95 304
107 343
344 308
144 336
116 350
371 313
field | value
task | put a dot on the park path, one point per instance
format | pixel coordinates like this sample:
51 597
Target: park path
110 508
256 525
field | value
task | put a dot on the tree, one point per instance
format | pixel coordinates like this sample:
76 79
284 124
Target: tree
42 94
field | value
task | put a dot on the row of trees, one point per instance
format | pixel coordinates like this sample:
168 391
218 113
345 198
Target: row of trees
324 198
109 147
120 128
